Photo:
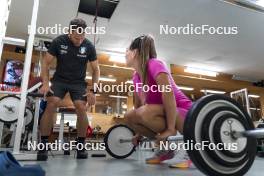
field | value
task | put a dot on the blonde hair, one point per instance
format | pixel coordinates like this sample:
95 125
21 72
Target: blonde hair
146 50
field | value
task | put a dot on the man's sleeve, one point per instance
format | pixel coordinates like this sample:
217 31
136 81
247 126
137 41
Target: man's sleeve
53 49
92 54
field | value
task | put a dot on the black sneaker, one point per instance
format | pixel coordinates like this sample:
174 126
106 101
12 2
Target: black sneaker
82 154
42 155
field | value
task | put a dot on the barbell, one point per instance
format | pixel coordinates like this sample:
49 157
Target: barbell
217 119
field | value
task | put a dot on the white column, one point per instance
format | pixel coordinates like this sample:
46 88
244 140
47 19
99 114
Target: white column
25 78
4 13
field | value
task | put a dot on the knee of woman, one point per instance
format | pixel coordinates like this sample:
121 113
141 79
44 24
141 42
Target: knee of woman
129 117
140 114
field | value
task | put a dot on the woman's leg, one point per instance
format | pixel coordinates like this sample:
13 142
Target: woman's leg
182 159
181 115
149 120
131 121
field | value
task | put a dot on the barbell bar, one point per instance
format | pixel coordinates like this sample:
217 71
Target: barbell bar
257 133
170 138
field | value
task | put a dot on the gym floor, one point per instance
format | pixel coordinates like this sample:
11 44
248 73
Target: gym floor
134 165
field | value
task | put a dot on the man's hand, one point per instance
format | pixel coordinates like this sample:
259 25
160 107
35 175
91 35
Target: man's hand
45 89
90 98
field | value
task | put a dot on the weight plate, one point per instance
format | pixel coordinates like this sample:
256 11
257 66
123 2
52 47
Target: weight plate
193 129
216 136
29 117
9 109
222 136
112 141
209 132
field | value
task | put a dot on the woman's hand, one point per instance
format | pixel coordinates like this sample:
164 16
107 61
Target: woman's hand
165 134
136 139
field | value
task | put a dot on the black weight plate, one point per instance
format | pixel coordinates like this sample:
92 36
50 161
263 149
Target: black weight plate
191 133
30 124
218 155
205 130
217 136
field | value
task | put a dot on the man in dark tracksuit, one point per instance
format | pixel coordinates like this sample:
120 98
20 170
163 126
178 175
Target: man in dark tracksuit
73 51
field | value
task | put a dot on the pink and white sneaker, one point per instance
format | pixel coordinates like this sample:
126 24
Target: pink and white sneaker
160 156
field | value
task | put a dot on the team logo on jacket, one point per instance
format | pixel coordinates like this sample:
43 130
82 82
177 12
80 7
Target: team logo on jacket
82 50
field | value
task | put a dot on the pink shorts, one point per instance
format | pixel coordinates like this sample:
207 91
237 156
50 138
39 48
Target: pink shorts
183 108
183 112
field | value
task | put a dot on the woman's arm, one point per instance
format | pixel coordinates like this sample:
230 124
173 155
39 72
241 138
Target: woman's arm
137 102
169 101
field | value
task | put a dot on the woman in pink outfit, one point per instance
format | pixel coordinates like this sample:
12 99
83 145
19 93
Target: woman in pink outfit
160 107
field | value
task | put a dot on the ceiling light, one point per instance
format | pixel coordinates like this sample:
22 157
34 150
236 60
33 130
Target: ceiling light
193 77
117 96
255 109
112 66
129 82
212 91
186 88
200 71
253 96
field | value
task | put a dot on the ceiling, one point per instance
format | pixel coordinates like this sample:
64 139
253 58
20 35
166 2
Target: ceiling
240 54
